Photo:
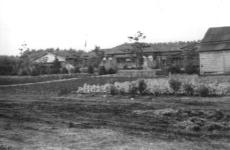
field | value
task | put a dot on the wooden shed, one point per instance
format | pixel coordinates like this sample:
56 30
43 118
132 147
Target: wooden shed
214 51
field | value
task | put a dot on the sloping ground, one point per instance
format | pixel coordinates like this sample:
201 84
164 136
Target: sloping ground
99 122
12 80
59 86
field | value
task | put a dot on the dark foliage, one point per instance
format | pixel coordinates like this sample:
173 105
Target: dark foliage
101 70
175 85
191 60
111 71
122 91
64 71
188 89
96 57
56 66
35 72
142 87
90 69
133 90
113 90
8 65
174 69
203 91
125 67
191 69
76 70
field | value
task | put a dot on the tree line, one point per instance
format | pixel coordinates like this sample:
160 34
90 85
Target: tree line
24 64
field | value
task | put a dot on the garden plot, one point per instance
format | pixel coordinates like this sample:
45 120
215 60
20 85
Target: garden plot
190 120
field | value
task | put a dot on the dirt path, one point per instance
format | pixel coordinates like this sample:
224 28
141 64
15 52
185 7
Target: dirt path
43 82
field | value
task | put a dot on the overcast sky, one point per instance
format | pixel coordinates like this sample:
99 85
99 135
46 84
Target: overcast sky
106 23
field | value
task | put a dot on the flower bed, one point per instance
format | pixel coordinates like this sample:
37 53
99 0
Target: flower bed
161 86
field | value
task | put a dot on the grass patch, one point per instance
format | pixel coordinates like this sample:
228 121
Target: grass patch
53 88
9 80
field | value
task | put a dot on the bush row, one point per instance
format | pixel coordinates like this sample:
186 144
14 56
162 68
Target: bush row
160 86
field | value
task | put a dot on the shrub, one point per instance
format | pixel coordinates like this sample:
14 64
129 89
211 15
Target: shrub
175 85
8 65
188 89
191 69
174 69
56 66
90 69
125 67
6 147
122 91
112 71
24 72
113 90
35 72
133 90
203 91
77 70
142 87
102 70
64 71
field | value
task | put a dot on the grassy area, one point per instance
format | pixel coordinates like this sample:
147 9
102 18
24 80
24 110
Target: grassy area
204 79
63 86
99 122
9 80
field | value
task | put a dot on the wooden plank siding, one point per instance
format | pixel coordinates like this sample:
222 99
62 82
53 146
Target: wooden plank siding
215 62
227 62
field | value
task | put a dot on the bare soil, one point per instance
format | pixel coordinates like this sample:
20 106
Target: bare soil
113 122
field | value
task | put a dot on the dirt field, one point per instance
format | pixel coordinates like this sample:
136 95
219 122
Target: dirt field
103 122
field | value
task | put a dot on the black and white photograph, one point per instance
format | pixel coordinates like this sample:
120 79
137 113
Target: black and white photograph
114 75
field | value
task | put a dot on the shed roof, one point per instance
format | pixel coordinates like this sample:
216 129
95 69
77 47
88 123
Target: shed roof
216 39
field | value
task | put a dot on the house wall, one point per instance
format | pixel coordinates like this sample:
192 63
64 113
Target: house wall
217 62
160 60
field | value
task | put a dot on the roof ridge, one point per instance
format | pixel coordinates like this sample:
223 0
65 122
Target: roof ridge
216 42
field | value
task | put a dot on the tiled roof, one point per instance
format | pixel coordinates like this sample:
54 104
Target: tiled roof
156 47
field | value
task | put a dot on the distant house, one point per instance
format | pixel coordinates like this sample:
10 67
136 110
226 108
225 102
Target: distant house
160 55
48 59
214 51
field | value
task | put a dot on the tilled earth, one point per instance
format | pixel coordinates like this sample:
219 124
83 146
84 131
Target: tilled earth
106 122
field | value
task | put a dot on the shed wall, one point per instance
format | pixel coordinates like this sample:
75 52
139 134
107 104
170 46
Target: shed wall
215 62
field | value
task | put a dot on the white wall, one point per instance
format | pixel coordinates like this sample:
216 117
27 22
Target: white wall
49 58
215 62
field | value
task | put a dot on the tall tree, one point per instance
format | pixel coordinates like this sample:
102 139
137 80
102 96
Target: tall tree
138 47
56 66
97 57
